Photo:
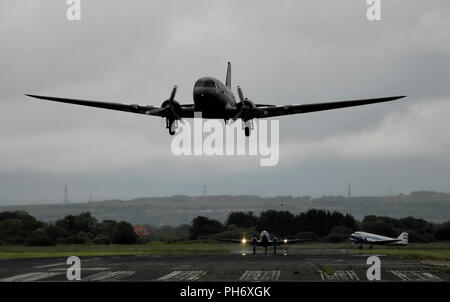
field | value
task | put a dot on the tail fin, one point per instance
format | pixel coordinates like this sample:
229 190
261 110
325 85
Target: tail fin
403 238
228 79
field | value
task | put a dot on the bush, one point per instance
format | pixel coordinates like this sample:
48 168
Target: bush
79 238
335 238
101 239
124 234
39 237
307 235
234 234
341 229
416 237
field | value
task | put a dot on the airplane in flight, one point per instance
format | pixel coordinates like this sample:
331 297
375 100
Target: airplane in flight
373 239
265 241
216 100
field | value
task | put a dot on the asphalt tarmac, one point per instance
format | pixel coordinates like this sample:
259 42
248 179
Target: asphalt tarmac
308 265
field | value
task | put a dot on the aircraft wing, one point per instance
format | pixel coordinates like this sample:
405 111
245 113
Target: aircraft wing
231 240
374 242
133 108
290 241
279 110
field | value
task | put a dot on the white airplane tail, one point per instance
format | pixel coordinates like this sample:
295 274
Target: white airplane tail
403 238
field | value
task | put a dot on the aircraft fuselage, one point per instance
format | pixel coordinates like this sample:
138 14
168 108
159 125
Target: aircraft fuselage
213 98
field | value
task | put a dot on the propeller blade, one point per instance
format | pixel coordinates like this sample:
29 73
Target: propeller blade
241 95
238 115
172 95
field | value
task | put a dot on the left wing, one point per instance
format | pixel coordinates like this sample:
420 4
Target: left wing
262 111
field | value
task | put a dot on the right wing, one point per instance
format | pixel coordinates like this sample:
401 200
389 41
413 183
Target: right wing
186 110
231 240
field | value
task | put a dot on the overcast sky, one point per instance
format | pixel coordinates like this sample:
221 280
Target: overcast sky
283 52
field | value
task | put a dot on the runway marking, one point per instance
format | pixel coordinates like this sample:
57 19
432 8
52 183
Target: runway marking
109 275
83 269
415 276
183 275
339 275
50 265
325 259
30 277
260 276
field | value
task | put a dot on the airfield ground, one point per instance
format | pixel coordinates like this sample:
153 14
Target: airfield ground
224 262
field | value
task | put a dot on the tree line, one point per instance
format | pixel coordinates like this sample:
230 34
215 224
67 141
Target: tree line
19 227
316 225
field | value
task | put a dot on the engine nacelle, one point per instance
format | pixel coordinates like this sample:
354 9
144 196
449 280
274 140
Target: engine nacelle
249 103
176 105
254 240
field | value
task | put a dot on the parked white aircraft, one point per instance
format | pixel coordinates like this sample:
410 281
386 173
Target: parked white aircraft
374 239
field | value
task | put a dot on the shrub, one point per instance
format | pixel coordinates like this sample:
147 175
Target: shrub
101 239
335 238
39 237
124 234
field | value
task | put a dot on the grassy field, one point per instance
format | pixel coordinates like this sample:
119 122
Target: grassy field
154 248
428 251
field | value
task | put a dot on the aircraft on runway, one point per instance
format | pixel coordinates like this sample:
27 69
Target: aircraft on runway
373 239
216 100
265 241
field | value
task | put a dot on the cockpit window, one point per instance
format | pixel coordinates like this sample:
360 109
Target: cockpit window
210 83
206 83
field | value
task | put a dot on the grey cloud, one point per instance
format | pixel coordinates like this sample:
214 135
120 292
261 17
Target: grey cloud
282 52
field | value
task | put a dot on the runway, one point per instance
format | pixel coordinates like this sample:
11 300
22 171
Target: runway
311 265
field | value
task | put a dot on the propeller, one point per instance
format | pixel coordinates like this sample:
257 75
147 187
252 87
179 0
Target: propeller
169 105
244 108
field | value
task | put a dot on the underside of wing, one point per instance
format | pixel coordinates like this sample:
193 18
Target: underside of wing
271 111
148 110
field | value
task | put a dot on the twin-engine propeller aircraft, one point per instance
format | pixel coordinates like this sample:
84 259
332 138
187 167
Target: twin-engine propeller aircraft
216 100
373 239
265 241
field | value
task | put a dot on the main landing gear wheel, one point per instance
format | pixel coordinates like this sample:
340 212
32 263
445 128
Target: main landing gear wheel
172 126
247 126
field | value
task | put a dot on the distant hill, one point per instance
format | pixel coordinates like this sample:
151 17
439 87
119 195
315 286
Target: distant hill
180 209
